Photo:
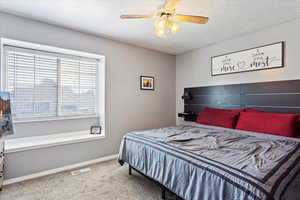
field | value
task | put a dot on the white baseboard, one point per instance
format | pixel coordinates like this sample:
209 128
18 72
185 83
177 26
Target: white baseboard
60 169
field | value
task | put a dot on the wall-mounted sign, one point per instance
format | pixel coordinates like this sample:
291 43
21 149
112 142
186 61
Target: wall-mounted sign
259 58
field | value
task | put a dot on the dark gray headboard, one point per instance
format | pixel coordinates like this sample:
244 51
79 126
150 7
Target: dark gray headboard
277 96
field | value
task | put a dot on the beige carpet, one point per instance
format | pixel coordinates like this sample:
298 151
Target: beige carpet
106 181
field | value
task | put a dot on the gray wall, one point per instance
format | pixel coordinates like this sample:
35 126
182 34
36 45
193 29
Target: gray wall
127 107
193 68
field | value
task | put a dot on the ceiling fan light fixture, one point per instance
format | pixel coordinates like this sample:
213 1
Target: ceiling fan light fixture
160 23
164 25
165 19
175 27
160 33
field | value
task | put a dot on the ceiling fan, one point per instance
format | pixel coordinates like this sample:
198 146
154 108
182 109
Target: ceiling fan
166 17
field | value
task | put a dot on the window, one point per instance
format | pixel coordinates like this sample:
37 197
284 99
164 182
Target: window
50 84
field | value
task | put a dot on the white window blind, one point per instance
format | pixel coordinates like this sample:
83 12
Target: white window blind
44 84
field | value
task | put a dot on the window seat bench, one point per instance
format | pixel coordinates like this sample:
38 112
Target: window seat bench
36 142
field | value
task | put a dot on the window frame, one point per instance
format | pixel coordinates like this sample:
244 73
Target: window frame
100 84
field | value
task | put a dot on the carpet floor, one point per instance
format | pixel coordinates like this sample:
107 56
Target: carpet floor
105 181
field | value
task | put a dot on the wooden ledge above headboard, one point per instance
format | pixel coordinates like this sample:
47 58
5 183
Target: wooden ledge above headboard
276 96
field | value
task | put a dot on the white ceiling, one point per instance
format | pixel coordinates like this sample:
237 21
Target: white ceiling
228 19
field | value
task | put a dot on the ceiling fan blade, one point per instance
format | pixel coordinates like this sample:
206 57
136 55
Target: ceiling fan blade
135 16
171 4
191 19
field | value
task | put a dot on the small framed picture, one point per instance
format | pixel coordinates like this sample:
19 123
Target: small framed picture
147 82
95 129
6 124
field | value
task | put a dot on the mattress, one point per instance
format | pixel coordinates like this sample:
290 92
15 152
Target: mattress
206 162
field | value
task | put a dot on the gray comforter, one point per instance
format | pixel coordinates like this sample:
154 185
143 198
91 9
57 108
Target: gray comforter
210 163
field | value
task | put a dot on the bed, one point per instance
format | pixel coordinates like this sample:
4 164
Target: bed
206 162
197 161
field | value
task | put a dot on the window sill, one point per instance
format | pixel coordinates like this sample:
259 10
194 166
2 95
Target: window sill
37 142
53 119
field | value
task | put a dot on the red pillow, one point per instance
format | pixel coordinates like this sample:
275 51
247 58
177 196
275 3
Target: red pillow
221 118
259 111
272 123
219 110
298 126
253 110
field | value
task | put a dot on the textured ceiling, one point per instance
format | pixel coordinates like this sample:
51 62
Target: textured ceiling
228 19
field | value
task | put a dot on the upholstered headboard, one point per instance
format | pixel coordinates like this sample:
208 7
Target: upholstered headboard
277 96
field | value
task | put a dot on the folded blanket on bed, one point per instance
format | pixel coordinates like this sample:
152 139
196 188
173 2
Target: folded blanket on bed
204 162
